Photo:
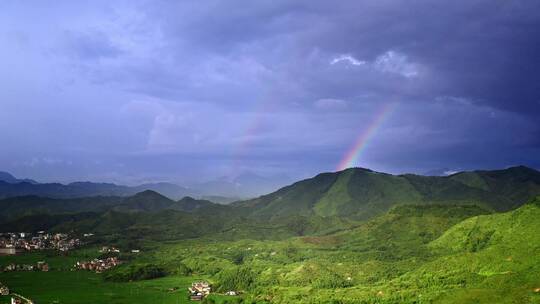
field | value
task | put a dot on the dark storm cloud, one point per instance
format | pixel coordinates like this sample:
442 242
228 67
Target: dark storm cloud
483 50
122 88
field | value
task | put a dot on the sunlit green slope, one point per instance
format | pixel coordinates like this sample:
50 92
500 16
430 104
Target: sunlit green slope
489 259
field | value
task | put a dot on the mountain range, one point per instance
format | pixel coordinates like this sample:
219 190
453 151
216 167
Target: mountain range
222 190
361 193
352 236
354 194
86 189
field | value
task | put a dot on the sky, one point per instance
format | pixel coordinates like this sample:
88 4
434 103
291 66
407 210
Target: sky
136 91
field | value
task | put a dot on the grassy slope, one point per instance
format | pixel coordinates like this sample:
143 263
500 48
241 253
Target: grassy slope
499 254
485 259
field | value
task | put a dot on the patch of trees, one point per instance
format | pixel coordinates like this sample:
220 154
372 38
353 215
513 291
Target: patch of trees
238 278
135 272
329 279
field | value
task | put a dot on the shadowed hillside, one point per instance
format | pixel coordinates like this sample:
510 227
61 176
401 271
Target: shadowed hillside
14 187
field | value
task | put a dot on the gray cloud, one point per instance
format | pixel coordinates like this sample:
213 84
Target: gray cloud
183 90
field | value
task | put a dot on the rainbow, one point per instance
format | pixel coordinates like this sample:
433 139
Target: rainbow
250 132
362 141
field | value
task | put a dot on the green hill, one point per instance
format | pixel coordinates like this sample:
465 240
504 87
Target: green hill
361 193
512 186
147 200
494 257
516 229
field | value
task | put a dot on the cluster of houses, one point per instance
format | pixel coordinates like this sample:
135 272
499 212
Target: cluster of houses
14 243
199 290
4 290
39 266
98 265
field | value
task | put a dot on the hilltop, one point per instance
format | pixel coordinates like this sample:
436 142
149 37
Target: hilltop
362 193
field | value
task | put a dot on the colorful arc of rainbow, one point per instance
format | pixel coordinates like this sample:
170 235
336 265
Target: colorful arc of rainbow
242 149
363 139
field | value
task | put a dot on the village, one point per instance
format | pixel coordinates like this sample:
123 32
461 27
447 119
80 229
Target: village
39 266
201 289
12 243
20 242
98 265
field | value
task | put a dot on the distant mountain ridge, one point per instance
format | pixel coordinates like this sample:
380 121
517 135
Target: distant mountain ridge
223 190
245 185
12 187
145 201
8 178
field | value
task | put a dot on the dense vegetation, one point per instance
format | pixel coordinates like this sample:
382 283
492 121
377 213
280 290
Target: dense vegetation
354 236
361 193
135 272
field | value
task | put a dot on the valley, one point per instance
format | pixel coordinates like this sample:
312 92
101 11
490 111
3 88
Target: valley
354 236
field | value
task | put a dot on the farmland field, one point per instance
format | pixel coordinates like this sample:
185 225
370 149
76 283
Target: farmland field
87 287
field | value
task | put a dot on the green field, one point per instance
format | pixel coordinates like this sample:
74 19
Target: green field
87 287
60 285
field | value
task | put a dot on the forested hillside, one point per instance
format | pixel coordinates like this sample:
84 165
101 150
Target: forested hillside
361 193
